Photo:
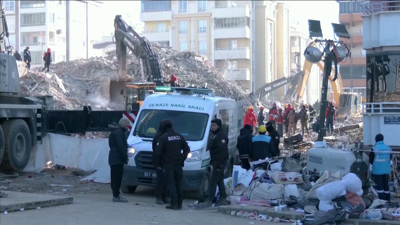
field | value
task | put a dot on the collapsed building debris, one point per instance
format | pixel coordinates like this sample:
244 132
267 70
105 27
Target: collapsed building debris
81 82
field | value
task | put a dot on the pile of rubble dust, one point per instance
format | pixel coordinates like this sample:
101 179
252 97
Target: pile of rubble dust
77 83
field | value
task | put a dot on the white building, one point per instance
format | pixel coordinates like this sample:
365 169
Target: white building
62 26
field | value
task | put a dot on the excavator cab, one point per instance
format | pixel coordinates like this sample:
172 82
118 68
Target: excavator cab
136 93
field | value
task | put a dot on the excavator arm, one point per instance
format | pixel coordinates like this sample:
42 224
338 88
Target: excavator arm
126 37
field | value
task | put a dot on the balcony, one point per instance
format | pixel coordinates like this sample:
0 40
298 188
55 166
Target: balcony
379 24
240 32
156 36
226 54
238 74
228 12
156 16
354 61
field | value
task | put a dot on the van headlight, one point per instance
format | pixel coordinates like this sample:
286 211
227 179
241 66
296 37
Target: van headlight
193 156
131 152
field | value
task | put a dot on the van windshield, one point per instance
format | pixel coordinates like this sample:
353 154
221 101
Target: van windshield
189 124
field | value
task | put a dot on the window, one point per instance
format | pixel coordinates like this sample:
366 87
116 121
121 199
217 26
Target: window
33 19
202 47
161 27
353 72
156 6
224 116
232 22
201 6
10 23
35 40
232 44
232 65
183 6
52 17
182 27
32 4
349 7
11 39
183 46
189 124
202 26
9 6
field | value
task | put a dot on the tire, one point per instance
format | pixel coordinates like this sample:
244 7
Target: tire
2 144
203 191
128 189
17 145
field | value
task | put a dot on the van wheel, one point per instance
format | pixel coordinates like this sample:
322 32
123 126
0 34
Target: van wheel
128 189
203 191
2 144
17 145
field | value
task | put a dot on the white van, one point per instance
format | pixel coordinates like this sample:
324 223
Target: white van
191 111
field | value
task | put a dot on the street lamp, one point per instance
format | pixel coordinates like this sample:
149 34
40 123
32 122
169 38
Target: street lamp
332 51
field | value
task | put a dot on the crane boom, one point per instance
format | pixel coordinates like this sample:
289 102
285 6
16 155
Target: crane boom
126 37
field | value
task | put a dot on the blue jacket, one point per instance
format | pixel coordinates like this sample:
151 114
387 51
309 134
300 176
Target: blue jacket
381 163
262 147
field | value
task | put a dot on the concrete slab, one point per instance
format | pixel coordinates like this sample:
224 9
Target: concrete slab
20 200
227 209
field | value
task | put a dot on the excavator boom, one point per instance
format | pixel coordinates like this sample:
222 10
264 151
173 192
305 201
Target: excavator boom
126 37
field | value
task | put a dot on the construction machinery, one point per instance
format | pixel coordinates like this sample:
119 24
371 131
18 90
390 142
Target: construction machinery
25 120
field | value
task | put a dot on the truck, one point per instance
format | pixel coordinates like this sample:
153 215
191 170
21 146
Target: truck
191 111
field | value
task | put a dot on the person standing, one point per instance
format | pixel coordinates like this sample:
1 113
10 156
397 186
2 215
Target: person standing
286 114
218 146
330 115
273 113
250 119
47 60
380 158
292 119
17 56
262 146
280 122
276 138
261 116
161 187
244 142
27 57
303 119
118 156
171 153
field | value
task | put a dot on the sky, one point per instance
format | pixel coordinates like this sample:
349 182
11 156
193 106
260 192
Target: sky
325 11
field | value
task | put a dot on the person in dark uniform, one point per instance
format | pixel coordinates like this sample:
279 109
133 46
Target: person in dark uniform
330 115
244 142
118 156
161 186
380 158
274 134
171 153
218 146
27 57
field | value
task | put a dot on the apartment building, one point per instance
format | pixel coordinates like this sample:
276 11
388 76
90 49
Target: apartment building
242 39
50 24
353 69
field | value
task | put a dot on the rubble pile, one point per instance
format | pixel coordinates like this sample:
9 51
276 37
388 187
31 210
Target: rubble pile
81 82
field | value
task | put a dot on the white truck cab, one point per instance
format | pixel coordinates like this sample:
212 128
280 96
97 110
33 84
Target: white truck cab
191 111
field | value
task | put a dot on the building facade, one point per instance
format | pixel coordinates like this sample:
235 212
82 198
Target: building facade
226 33
382 44
50 24
352 69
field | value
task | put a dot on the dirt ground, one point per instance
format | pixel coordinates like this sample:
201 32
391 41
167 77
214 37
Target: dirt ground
93 205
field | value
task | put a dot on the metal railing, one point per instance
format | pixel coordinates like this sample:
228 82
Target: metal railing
222 6
234 49
381 107
383 6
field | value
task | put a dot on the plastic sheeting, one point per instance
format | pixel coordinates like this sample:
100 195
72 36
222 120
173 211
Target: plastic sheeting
85 154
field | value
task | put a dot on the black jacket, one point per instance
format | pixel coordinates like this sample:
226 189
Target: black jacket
169 149
218 146
274 134
27 56
154 145
118 145
263 147
17 56
261 118
244 142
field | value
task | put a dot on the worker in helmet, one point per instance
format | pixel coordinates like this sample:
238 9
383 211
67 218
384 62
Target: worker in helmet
250 118
261 116
173 81
273 113
262 146
330 115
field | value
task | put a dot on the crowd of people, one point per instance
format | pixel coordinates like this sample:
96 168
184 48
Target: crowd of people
47 58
